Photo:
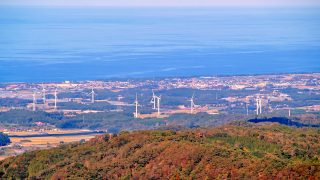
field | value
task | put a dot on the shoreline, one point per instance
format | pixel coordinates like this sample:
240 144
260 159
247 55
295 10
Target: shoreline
115 78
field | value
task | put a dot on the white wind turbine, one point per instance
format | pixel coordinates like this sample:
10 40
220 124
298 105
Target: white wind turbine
43 94
34 101
136 103
153 100
192 104
259 105
247 108
156 102
289 113
92 93
158 99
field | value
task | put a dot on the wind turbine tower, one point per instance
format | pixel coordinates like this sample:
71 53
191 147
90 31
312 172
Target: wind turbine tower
260 105
120 98
92 95
192 104
136 103
158 99
153 100
43 94
247 109
156 102
289 112
119 103
34 102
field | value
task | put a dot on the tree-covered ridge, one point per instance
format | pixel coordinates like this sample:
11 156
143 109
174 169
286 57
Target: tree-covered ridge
241 150
4 139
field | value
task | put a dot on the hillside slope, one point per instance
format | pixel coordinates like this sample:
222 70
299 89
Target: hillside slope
241 150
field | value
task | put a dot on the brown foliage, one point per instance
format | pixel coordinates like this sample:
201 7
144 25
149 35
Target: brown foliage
233 151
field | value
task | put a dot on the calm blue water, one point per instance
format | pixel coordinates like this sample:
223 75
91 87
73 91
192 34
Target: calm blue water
53 44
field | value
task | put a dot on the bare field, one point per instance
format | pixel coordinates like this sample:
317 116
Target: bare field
21 145
34 141
59 131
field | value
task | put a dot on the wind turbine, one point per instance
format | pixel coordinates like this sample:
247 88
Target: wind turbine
153 100
43 94
258 105
192 104
119 103
289 112
158 99
34 101
156 102
92 93
136 103
120 98
247 109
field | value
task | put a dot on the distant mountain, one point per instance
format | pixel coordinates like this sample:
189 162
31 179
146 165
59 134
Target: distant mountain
238 150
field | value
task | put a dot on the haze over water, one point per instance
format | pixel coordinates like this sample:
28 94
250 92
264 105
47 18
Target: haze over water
56 44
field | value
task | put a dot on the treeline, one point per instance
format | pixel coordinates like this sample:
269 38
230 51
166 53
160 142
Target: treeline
28 118
14 102
113 121
284 121
98 106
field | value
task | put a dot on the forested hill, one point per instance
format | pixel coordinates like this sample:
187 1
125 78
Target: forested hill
239 150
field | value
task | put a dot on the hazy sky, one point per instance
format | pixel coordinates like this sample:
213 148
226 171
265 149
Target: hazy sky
162 2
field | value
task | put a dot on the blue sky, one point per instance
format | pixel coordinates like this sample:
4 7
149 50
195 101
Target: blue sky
178 3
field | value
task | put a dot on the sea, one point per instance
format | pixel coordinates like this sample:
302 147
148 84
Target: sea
44 44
